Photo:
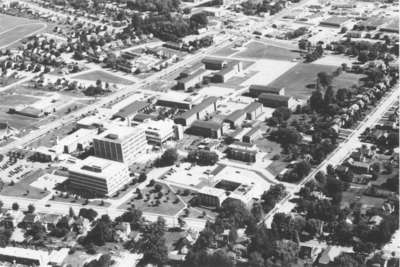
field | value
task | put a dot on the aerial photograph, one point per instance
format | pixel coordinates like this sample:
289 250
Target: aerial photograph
199 133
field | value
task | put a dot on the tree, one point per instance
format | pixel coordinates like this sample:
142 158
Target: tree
31 208
152 243
363 56
103 261
203 157
320 177
169 157
324 79
256 260
71 212
142 177
316 101
89 214
101 233
286 136
346 260
329 97
233 235
15 206
282 114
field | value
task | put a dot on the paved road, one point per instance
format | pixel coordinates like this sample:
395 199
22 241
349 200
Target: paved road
341 152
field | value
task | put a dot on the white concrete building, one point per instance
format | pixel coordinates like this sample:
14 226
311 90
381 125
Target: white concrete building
101 176
120 143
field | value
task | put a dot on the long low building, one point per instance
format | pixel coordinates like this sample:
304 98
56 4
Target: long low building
275 101
256 89
198 112
100 176
191 81
209 129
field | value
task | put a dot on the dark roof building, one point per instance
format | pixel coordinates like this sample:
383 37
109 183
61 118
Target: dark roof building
235 118
211 129
214 63
132 109
198 112
256 89
275 101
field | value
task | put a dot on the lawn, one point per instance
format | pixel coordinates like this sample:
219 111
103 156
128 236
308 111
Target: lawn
225 51
16 33
270 147
17 121
276 167
13 100
22 187
263 51
167 202
7 22
103 76
299 81
347 80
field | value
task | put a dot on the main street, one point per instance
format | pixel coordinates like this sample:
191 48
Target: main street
340 153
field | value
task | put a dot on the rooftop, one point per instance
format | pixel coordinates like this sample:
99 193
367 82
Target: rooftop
204 104
207 124
235 115
131 109
274 97
266 88
252 106
118 133
97 166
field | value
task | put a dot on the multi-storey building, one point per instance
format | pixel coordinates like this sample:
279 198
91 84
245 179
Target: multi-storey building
120 143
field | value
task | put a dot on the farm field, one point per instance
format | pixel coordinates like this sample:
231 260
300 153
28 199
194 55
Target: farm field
14 34
264 51
103 76
300 80
346 80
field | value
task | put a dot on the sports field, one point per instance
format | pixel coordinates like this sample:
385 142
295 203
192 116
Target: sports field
259 50
103 76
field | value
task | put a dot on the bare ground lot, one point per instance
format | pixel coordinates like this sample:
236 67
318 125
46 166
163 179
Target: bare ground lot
263 51
7 22
103 76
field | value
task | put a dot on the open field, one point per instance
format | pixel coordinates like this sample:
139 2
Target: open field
263 51
300 80
103 76
7 22
17 33
23 187
266 71
346 80
13 100
225 51
17 121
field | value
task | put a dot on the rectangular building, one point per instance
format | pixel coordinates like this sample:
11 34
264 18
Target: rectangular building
191 81
253 110
242 151
252 135
100 176
275 101
121 144
214 63
230 70
256 89
210 129
198 112
236 118
129 111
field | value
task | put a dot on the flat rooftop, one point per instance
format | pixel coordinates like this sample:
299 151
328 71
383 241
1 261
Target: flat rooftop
118 133
99 167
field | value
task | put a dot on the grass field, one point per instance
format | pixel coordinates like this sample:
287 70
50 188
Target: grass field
7 22
13 100
16 33
346 80
297 79
225 51
263 51
17 121
22 188
103 76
